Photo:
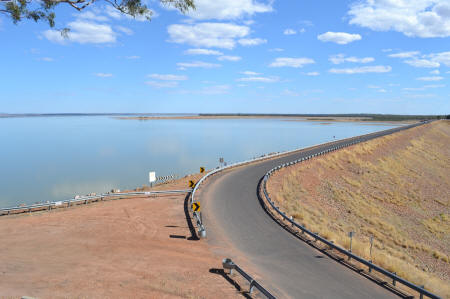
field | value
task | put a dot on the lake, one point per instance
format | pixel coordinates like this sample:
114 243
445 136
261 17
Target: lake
55 158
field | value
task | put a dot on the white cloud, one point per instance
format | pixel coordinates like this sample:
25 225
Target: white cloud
162 84
414 18
125 30
290 93
46 59
424 87
420 95
289 31
90 15
340 38
386 50
422 63
313 74
443 57
103 75
435 72
220 35
116 14
432 60
382 90
168 77
133 57
433 78
434 86
259 79
413 88
215 89
83 32
228 9
291 62
250 73
276 50
362 70
112 12
340 58
199 64
248 42
202 52
409 54
229 58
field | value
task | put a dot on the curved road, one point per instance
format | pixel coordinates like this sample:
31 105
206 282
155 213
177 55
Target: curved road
286 266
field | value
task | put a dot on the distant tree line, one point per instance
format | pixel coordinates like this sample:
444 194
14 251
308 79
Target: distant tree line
363 116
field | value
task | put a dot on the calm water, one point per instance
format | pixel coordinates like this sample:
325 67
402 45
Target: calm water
54 158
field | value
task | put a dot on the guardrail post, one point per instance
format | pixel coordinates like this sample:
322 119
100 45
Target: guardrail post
393 279
228 264
250 289
421 294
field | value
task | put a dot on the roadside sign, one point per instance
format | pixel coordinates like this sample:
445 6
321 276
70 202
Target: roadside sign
196 206
191 183
152 176
202 169
220 160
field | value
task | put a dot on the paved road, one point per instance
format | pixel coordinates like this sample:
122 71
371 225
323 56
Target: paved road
287 266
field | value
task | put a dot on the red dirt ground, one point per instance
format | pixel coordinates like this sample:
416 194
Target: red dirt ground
112 249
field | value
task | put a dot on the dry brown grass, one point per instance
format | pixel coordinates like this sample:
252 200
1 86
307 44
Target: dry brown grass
394 188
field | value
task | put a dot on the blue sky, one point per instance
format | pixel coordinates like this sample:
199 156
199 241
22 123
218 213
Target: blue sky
248 56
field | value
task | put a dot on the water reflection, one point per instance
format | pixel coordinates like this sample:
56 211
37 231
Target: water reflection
56 158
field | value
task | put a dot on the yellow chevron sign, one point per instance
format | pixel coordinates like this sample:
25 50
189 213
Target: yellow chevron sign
191 183
202 169
196 206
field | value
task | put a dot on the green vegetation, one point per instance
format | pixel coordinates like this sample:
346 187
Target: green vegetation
44 10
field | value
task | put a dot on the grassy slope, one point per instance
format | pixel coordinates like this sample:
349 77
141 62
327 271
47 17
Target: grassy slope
394 188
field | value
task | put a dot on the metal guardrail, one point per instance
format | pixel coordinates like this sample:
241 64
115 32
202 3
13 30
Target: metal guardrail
420 289
198 217
85 199
229 265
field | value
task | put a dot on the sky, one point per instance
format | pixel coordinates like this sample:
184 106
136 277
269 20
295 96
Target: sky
233 56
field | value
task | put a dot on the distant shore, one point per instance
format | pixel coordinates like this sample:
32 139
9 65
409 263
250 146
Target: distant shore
321 119
361 117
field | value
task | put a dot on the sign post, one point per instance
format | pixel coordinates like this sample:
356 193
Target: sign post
371 245
151 178
350 234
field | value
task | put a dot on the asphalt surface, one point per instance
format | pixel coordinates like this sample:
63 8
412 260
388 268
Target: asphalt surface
236 222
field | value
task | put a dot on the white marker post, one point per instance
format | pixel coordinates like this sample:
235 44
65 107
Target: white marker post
151 177
350 234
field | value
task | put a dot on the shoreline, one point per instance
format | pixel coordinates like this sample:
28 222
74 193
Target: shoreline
321 119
